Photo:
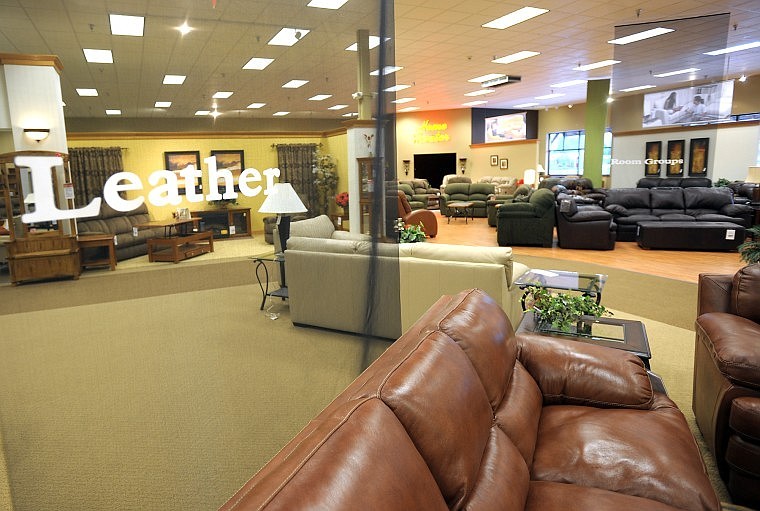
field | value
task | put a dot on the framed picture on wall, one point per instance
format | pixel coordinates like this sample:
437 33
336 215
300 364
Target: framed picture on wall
675 158
232 161
504 164
494 160
652 158
175 161
698 152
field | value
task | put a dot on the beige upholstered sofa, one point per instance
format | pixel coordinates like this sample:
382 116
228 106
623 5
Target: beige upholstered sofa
328 281
503 185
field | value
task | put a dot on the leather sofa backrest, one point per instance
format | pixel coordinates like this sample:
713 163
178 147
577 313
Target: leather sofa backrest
706 199
648 182
681 182
458 191
666 200
689 182
629 198
745 293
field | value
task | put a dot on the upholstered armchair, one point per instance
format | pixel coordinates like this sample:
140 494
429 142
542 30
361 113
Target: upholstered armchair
584 227
422 217
527 223
726 398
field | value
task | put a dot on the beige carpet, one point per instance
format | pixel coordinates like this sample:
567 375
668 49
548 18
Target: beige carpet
162 390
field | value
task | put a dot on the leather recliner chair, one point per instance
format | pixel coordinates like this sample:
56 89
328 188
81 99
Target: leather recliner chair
527 223
422 217
726 399
584 227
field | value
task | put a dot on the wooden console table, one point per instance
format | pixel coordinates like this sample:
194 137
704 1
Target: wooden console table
225 222
174 249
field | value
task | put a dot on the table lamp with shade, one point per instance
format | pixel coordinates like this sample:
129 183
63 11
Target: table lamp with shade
283 201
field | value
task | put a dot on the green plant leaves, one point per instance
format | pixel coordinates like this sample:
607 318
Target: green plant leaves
562 310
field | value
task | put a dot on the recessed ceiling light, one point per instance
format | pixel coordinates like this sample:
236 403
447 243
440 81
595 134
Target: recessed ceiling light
520 55
732 49
638 87
550 96
87 92
596 65
184 28
338 107
294 84
475 103
162 104
215 113
280 114
320 97
646 34
386 70
374 42
327 4
409 109
513 18
288 36
202 112
174 79
401 101
485 78
258 63
98 56
256 105
679 72
397 88
113 112
743 78
222 95
526 105
351 114
568 83
480 92
127 25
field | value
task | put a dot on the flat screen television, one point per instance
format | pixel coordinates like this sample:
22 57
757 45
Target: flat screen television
505 127
689 105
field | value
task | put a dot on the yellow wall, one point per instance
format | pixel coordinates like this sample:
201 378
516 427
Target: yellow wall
144 154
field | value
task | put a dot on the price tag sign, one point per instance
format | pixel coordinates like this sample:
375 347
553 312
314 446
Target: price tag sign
68 191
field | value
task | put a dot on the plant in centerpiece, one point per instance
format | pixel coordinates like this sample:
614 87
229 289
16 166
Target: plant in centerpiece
410 233
342 201
722 182
561 311
749 251
325 180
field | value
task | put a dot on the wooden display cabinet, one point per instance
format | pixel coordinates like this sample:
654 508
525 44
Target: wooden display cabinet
221 221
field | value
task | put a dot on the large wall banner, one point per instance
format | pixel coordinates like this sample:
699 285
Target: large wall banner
689 105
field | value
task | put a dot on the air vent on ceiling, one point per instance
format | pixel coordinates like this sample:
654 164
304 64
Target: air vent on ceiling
502 80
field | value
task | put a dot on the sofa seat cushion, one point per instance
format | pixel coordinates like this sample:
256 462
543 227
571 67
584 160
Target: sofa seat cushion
725 336
635 219
677 217
551 496
716 217
575 442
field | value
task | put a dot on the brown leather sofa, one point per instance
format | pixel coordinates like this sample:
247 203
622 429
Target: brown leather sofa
422 217
726 399
459 413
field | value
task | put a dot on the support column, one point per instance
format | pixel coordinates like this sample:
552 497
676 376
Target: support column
597 92
362 76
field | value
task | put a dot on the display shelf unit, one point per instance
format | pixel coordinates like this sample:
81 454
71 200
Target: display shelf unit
225 222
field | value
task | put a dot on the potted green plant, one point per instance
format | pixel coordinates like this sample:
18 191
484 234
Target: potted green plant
561 311
410 233
325 180
749 251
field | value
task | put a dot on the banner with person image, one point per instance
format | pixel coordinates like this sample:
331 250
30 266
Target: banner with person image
689 105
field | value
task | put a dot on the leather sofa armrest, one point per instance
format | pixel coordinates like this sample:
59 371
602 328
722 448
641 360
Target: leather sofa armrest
736 209
571 372
732 344
616 209
714 293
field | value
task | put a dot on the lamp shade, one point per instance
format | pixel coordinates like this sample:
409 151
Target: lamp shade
282 200
529 177
753 175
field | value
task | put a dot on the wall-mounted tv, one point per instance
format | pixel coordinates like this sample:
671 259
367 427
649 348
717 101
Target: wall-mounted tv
505 127
689 105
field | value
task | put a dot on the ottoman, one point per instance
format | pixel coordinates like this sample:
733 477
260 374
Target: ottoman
704 236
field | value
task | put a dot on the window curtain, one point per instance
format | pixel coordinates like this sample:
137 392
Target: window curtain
90 169
296 163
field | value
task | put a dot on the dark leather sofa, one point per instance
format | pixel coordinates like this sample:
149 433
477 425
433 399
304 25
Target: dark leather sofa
584 227
579 189
459 413
726 399
669 182
629 206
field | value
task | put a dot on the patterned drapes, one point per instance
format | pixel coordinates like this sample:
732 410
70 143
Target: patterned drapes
296 162
90 169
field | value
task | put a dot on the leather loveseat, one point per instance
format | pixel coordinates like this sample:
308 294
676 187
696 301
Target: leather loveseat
122 225
726 398
459 413
477 193
629 206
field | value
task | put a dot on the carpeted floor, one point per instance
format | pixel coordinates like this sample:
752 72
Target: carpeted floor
163 390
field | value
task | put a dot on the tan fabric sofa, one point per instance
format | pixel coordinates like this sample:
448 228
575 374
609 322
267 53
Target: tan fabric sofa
329 280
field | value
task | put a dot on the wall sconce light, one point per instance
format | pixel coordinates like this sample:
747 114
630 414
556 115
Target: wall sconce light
462 164
37 134
406 167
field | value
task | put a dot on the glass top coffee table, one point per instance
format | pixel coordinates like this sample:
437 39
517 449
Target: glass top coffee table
590 284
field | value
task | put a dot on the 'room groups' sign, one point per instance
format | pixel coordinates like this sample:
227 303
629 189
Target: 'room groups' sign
164 191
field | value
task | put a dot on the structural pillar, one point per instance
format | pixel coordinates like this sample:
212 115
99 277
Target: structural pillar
362 79
597 92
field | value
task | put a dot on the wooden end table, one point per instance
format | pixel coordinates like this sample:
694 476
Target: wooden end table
97 241
459 209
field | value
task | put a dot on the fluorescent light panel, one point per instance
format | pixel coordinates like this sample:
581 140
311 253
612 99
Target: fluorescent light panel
294 84
87 92
513 18
338 107
409 109
127 25
551 96
525 105
638 87
113 112
256 105
374 42
162 104
475 103
222 95
520 55
327 4
288 36
280 114
480 92
679 72
732 49
401 101
485 78
98 56
569 83
397 88
320 97
174 79
387 70
202 112
351 114
258 63
646 34
596 65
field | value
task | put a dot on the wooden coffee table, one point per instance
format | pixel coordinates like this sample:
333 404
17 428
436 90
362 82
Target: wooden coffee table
460 209
178 248
97 241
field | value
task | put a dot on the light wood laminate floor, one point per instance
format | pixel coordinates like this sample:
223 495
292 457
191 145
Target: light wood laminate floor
680 265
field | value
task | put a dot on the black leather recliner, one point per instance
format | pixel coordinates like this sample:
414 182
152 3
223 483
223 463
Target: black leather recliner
584 227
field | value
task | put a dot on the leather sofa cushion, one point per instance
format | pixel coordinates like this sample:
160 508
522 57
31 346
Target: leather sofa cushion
667 199
699 198
676 217
634 219
629 198
745 293
725 337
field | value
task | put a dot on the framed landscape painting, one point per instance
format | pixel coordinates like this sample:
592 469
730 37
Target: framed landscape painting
494 160
698 152
675 157
175 161
652 165
231 160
